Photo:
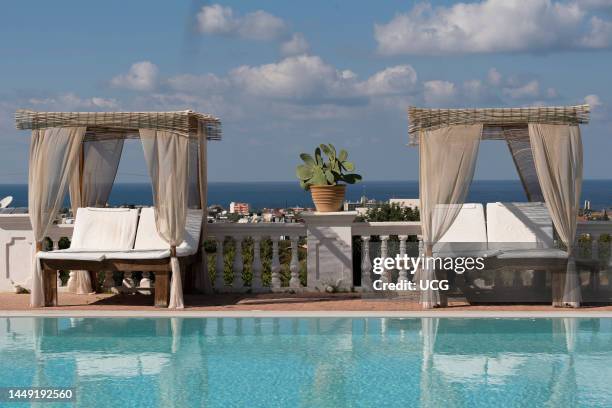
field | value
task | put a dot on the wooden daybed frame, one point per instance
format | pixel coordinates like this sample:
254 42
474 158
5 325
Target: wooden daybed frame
159 267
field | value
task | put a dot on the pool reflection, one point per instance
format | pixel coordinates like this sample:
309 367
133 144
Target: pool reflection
312 362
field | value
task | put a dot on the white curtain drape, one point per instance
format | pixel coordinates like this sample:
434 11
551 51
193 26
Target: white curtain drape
557 152
447 162
203 282
90 186
167 157
53 154
100 160
193 199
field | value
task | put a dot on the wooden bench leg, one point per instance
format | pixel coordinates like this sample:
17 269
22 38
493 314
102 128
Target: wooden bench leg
50 282
162 288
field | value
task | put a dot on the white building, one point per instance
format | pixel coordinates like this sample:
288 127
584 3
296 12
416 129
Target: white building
405 202
239 208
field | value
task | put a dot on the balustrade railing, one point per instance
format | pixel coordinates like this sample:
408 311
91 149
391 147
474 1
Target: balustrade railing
374 238
249 239
272 256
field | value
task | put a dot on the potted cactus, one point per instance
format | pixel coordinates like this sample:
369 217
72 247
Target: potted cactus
326 178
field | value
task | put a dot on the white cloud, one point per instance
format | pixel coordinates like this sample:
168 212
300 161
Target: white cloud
261 25
70 101
308 79
301 78
258 25
529 90
600 34
438 93
142 76
593 100
296 45
303 85
216 19
393 80
493 26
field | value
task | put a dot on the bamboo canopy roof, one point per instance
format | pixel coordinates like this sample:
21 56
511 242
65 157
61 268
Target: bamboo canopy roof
493 118
181 122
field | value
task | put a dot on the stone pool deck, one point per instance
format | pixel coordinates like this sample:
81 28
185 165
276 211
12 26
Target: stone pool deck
308 302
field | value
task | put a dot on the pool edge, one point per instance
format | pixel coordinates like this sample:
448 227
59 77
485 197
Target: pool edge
305 314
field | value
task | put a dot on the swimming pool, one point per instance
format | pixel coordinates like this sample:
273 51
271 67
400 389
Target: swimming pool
305 362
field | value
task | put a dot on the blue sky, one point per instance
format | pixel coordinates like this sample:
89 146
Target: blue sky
286 76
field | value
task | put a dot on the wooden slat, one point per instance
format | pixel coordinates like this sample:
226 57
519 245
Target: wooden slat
422 119
119 124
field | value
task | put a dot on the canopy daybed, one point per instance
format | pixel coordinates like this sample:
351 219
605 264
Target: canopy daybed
80 151
546 147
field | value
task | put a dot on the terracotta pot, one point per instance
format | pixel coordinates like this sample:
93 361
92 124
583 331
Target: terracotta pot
328 198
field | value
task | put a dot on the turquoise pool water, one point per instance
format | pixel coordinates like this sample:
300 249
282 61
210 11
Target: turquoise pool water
327 362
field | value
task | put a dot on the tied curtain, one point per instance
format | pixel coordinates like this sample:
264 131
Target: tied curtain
447 162
167 157
203 282
557 151
54 153
90 186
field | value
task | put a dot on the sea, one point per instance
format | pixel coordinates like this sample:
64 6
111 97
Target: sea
288 194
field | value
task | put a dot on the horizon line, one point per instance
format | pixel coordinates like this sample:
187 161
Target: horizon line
292 181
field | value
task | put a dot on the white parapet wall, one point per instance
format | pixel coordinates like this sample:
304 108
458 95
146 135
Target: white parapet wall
17 248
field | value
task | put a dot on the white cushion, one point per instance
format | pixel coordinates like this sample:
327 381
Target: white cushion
512 226
149 245
73 254
548 253
102 229
466 234
146 235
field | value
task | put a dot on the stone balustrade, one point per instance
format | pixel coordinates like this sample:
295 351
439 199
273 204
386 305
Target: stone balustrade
247 257
256 233
595 254
383 231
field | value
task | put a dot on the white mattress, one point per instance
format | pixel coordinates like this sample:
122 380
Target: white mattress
102 229
514 226
144 241
467 234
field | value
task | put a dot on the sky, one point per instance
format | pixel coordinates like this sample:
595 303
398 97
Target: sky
287 76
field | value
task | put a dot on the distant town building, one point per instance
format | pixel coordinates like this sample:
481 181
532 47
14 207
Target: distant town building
239 208
273 215
362 205
215 209
405 202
